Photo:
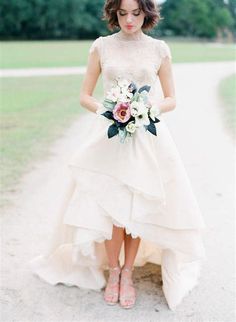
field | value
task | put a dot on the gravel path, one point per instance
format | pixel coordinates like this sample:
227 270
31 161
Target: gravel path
37 72
207 151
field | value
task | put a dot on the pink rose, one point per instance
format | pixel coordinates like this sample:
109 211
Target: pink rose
121 112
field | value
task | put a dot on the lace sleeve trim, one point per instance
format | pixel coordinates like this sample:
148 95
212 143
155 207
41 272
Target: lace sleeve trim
165 50
95 45
98 46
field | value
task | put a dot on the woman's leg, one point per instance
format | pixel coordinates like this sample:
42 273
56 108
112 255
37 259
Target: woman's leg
113 247
127 290
131 249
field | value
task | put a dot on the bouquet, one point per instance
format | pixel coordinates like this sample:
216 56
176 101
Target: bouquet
129 109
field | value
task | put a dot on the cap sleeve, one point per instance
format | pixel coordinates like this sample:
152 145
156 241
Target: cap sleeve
165 50
96 45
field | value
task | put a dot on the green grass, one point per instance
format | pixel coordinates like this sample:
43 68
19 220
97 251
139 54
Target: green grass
34 112
227 92
186 52
28 54
15 54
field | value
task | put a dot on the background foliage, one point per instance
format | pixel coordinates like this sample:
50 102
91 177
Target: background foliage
81 19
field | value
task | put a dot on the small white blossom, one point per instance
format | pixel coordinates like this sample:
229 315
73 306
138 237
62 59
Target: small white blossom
137 106
134 111
122 98
114 94
127 93
130 127
123 83
142 117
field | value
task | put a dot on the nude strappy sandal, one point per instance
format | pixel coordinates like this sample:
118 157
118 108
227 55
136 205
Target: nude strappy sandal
127 290
111 294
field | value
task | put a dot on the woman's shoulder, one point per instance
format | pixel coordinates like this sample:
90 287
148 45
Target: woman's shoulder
159 42
100 39
97 43
162 47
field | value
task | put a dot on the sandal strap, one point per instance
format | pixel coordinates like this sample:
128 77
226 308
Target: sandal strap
128 269
117 268
114 274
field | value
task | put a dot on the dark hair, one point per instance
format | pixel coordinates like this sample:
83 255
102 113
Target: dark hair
149 7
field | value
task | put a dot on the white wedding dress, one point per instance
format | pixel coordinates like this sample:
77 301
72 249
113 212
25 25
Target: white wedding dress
141 185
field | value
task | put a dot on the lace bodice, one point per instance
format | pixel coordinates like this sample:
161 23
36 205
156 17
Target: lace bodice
137 59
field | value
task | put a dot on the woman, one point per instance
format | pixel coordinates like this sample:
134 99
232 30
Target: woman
137 193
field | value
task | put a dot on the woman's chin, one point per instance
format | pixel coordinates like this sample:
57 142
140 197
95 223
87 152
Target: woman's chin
129 30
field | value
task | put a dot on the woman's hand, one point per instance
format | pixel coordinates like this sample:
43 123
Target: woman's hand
100 109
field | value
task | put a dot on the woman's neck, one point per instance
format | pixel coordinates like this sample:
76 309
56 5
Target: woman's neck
137 35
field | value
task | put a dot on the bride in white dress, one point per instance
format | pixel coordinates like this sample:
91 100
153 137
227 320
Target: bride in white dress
127 204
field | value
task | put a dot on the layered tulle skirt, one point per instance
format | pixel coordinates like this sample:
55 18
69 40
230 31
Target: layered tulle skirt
140 185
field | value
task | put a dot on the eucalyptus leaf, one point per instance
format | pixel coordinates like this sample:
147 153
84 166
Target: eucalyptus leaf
122 134
109 104
135 98
144 97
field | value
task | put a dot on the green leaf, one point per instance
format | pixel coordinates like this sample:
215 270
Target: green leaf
151 128
144 88
109 104
112 131
122 134
108 114
156 120
144 97
135 97
133 88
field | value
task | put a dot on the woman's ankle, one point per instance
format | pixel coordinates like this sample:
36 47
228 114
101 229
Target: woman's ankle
128 268
114 265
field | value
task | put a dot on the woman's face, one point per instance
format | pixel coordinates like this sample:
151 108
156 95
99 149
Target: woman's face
130 16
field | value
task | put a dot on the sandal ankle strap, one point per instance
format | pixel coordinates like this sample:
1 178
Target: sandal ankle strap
128 269
117 268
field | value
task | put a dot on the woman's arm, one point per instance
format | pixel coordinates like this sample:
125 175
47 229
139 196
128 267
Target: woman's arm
167 84
89 82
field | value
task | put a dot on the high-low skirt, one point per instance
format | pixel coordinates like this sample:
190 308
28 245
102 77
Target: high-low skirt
141 185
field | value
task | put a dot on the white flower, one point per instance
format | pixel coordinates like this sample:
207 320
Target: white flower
154 112
134 108
113 94
137 108
127 93
122 98
123 83
134 111
130 127
142 117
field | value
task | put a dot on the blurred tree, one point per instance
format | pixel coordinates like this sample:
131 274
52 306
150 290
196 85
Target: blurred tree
43 19
201 18
232 9
72 19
